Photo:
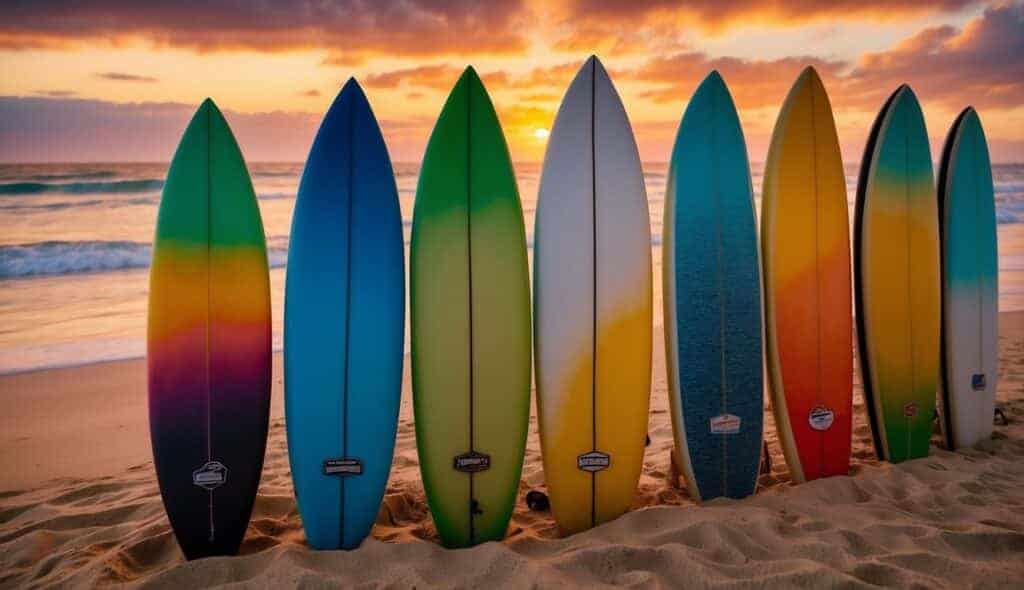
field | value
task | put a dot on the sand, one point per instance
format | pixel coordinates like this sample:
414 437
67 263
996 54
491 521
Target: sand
79 506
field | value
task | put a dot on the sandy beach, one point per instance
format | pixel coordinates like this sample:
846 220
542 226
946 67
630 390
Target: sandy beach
79 506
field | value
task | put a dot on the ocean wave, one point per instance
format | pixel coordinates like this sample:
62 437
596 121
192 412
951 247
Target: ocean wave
51 206
1009 187
64 258
1009 213
59 206
59 258
81 188
92 175
275 196
276 173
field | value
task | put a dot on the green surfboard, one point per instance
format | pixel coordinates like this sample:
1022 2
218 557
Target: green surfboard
470 307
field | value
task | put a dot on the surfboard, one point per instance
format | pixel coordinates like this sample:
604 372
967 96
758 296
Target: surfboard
970 290
470 305
896 280
712 299
208 340
805 238
592 300
344 326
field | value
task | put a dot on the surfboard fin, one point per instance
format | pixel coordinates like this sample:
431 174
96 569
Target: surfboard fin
674 471
766 459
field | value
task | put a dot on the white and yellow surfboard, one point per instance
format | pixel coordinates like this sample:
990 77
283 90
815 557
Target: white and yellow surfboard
592 293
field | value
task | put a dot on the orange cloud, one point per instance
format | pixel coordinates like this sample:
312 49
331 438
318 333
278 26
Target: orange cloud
715 14
754 84
437 77
442 77
636 26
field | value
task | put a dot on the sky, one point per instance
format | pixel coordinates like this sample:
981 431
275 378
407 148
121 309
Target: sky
117 80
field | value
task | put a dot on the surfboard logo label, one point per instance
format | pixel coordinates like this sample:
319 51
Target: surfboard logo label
821 418
472 462
593 461
978 382
210 476
343 466
910 410
725 424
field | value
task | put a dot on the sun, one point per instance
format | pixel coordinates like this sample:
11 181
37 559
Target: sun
541 133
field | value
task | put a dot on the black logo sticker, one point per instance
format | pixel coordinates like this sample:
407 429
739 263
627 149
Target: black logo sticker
593 461
210 476
472 462
343 466
978 382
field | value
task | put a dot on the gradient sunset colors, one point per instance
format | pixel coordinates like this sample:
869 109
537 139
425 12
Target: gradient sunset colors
896 270
108 80
808 307
209 340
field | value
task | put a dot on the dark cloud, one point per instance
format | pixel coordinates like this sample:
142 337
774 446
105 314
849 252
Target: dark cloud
45 129
56 93
982 64
122 77
351 29
618 27
70 129
979 64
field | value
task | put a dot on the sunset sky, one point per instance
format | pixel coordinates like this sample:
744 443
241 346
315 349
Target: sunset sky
116 80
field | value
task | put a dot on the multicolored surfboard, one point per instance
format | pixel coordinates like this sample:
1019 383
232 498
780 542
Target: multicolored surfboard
970 284
344 326
209 340
712 298
592 293
470 304
805 236
896 278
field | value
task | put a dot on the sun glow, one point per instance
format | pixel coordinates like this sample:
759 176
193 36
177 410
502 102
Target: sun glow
541 133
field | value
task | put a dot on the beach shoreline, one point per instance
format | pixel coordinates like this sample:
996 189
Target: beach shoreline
79 506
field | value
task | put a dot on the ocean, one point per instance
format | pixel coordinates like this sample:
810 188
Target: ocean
76 239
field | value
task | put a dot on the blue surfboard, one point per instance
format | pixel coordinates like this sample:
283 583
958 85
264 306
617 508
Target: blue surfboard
712 298
344 326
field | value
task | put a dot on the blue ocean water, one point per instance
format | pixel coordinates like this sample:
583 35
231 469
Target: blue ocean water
75 243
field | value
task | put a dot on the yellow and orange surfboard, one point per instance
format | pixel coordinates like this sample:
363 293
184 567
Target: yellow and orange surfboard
808 308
